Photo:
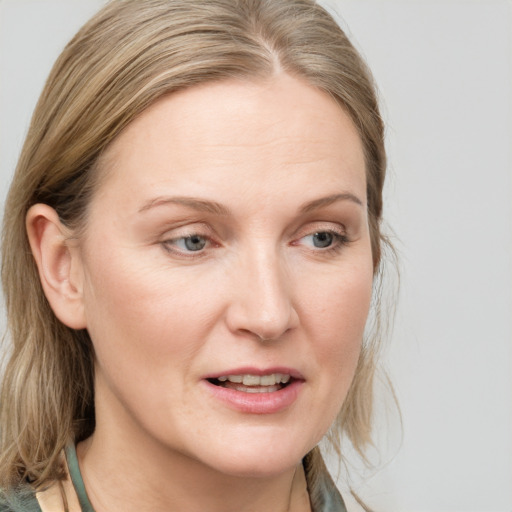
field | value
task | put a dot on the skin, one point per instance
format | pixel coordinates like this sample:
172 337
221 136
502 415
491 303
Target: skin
260 293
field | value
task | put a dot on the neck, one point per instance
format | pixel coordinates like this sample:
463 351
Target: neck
119 477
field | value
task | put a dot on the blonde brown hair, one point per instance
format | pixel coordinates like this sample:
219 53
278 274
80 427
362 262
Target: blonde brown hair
130 54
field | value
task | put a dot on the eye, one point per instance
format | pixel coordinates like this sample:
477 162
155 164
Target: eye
321 240
326 240
190 243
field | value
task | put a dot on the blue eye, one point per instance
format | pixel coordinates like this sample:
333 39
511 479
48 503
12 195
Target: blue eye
320 240
324 240
192 243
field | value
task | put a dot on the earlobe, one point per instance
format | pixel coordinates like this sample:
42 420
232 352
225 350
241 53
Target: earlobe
58 263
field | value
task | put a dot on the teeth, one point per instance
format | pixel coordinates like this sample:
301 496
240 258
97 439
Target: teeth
251 380
257 380
257 389
268 380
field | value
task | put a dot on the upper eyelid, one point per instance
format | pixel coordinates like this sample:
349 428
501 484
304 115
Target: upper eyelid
186 230
337 235
320 226
184 236
205 230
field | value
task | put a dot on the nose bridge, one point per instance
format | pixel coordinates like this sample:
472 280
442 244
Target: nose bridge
264 304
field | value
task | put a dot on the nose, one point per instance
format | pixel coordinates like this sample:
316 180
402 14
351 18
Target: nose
261 302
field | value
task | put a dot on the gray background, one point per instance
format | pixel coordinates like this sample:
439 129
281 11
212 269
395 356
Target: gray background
444 69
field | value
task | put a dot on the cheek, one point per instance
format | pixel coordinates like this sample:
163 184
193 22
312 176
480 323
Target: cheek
337 316
338 303
135 313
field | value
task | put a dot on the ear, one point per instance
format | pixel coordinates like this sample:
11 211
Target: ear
59 264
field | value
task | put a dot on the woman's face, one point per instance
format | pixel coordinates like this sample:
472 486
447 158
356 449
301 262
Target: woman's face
227 273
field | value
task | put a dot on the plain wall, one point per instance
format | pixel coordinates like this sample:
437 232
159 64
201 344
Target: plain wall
444 69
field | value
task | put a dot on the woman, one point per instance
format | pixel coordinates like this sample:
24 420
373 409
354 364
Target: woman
189 251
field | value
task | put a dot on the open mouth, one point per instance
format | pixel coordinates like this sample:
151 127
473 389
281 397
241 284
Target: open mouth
248 383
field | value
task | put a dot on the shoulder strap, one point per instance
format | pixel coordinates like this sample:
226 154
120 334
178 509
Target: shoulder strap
76 478
62 495
323 494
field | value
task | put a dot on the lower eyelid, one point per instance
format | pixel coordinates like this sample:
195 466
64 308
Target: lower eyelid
338 243
340 238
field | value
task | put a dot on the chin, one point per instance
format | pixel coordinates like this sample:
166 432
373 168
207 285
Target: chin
257 467
258 456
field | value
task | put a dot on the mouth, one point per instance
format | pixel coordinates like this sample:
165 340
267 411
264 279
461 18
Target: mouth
249 383
251 390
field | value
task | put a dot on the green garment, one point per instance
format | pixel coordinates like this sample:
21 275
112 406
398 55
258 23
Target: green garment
323 493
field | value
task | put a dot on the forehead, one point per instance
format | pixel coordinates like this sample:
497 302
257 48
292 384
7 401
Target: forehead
266 133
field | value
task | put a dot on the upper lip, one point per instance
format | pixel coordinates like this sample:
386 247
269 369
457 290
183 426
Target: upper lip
251 370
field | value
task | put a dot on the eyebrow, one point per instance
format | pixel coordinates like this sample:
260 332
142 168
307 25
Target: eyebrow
326 201
218 209
190 202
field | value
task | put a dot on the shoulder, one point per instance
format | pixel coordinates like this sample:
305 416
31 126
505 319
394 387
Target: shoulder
19 500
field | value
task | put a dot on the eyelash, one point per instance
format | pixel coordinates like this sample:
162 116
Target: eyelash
339 241
170 245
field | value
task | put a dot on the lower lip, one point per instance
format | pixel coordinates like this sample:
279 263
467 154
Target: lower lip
257 403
